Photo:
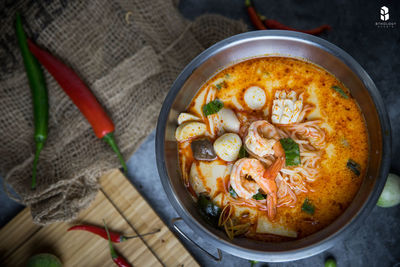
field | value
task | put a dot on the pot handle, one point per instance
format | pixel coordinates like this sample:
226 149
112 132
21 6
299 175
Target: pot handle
179 231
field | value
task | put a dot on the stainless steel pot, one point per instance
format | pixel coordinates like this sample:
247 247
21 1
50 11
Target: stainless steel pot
275 43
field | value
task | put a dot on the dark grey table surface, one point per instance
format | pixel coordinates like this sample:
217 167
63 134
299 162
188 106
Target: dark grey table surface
377 49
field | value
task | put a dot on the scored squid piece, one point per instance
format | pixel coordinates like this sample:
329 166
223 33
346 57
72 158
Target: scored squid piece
286 108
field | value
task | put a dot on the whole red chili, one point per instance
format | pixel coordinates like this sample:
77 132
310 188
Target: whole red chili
120 261
254 16
81 95
275 25
115 237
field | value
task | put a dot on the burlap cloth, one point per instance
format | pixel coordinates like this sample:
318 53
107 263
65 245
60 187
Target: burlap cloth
128 52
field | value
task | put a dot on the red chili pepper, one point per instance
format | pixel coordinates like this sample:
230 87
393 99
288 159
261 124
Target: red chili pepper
273 24
115 237
257 23
81 95
120 261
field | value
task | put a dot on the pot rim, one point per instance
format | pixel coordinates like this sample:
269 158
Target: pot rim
323 244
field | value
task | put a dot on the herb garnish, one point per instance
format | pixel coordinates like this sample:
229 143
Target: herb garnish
340 91
354 167
292 151
220 85
233 192
208 209
212 107
308 207
259 196
243 153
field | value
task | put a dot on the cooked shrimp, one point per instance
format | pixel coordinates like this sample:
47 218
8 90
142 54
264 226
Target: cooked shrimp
267 182
245 121
244 176
262 141
260 178
261 137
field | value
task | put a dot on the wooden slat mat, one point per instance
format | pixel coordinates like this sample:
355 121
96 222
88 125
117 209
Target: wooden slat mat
124 210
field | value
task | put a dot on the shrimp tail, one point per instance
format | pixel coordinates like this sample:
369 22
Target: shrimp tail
270 174
272 171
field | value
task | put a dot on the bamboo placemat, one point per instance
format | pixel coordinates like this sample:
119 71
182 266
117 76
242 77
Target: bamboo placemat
124 210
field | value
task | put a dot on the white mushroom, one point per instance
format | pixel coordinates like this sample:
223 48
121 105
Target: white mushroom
229 120
189 130
286 108
184 117
255 97
227 146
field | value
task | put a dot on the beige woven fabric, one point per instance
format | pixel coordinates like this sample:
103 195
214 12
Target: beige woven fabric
129 52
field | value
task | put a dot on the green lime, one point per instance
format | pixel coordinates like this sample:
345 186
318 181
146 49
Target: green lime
391 192
44 260
330 262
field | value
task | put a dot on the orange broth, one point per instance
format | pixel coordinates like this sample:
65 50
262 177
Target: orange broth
343 123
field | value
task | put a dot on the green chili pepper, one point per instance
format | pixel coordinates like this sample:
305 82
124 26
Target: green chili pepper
39 94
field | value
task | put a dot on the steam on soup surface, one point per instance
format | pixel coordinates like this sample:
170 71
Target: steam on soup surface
272 148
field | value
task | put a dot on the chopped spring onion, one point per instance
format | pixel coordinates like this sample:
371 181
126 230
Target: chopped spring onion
308 207
232 192
354 167
220 85
391 192
212 107
208 209
259 196
340 91
292 151
243 153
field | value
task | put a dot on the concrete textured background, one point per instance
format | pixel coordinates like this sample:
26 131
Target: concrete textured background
376 242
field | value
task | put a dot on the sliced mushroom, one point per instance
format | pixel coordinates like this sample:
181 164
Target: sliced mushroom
184 117
190 130
203 150
229 120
